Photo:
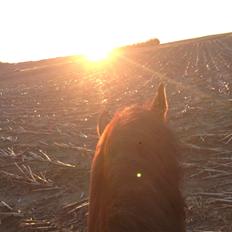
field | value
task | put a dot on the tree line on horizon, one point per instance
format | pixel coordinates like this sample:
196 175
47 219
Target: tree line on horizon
150 42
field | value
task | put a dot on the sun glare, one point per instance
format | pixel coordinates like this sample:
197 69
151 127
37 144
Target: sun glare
97 54
98 58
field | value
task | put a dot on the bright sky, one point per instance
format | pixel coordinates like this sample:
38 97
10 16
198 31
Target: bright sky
38 29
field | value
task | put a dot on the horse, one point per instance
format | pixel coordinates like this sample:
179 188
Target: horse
135 173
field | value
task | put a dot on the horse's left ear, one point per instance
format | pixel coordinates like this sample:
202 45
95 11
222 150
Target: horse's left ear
159 103
103 120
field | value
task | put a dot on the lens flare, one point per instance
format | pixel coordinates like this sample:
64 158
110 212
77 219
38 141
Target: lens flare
139 175
97 54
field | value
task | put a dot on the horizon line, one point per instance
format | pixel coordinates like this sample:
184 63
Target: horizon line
79 54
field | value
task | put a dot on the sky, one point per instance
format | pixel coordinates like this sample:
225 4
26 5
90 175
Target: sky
39 29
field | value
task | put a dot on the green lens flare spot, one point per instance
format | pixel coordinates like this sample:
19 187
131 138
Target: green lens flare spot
139 174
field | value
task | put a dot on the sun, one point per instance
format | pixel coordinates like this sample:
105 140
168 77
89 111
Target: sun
97 54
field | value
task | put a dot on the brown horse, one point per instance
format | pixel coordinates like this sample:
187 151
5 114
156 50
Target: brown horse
135 176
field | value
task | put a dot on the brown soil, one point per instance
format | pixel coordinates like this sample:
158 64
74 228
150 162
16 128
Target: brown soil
48 116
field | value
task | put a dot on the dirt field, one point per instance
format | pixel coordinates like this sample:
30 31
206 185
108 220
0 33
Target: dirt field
48 117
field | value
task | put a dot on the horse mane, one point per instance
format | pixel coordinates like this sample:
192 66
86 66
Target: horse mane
135 179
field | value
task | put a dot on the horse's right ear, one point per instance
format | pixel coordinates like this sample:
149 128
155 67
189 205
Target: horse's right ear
103 120
159 103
